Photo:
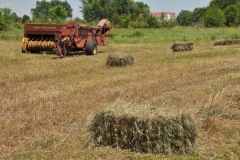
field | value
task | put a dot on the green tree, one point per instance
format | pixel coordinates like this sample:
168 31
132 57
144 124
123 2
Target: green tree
139 8
91 10
41 12
94 10
26 19
232 14
152 21
116 19
214 17
198 13
222 4
15 17
58 13
64 4
2 19
6 18
185 18
139 23
126 22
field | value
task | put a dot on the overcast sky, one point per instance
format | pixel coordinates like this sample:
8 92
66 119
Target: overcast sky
21 7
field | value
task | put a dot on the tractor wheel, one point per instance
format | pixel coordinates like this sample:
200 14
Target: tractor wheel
91 48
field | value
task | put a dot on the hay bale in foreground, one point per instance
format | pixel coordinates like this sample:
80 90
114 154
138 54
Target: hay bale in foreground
182 46
119 60
227 42
142 128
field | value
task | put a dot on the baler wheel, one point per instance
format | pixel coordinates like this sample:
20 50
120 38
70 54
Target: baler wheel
91 48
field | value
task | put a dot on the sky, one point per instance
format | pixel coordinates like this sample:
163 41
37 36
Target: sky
21 7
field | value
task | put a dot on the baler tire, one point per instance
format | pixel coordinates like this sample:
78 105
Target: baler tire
91 48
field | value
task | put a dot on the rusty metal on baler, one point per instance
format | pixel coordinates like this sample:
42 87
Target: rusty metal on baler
80 37
64 38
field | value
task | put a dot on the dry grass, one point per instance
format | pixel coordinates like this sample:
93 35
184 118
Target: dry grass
46 101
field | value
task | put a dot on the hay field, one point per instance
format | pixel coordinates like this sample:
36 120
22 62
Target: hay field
46 101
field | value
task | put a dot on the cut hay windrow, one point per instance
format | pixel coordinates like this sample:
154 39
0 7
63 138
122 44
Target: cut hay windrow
227 42
142 128
119 60
182 46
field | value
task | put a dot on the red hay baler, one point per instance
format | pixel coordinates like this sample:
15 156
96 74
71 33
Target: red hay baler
65 38
78 37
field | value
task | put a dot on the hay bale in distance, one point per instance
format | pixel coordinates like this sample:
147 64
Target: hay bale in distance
119 60
142 128
227 42
182 46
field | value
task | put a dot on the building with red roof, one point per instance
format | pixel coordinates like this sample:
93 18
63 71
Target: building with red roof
167 15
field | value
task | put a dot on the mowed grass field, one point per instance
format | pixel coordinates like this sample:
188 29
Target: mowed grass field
45 101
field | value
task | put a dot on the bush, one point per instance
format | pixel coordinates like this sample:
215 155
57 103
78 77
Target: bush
126 22
152 22
139 23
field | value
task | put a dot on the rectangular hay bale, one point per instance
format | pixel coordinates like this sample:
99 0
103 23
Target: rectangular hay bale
227 42
142 128
182 46
119 60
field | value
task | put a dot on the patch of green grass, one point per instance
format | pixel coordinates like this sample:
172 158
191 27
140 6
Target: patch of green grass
12 34
177 33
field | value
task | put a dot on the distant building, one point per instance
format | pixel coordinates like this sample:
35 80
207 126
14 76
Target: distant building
167 15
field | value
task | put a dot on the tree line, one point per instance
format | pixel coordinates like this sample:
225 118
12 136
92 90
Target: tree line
125 13
219 13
